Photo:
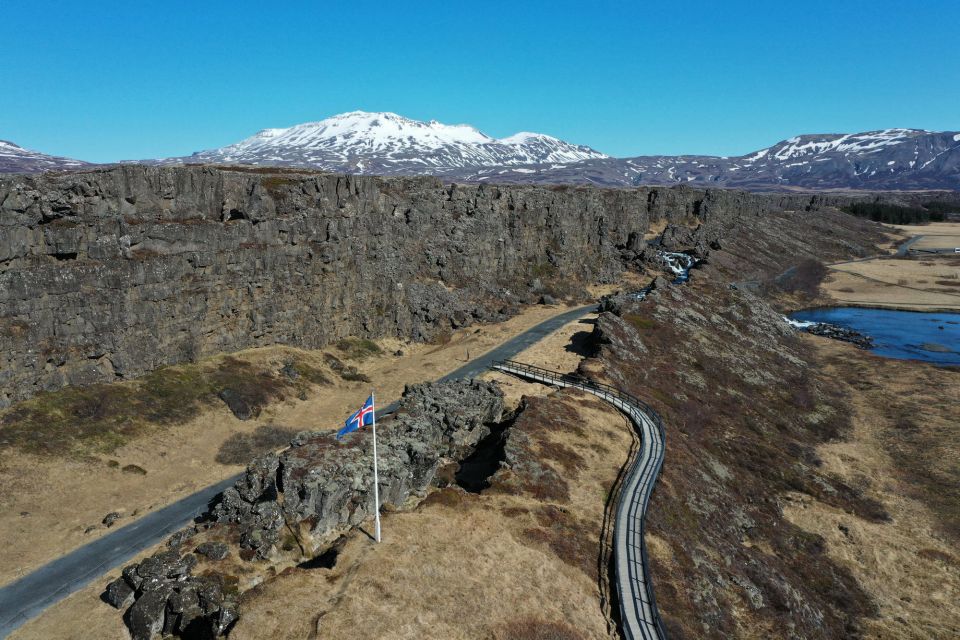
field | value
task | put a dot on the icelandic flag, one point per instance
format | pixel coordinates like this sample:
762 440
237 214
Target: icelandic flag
361 418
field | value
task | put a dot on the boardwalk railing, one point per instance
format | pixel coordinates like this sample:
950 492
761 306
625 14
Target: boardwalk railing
639 616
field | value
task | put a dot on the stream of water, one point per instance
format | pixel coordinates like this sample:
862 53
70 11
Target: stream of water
679 264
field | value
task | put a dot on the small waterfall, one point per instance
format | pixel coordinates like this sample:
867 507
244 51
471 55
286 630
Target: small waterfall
678 263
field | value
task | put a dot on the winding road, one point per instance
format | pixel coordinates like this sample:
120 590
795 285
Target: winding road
639 617
904 248
29 595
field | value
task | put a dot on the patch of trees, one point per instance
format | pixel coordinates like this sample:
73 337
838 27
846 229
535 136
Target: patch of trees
942 207
895 213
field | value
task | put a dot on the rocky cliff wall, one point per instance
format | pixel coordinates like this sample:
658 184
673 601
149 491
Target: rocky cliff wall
832 199
111 273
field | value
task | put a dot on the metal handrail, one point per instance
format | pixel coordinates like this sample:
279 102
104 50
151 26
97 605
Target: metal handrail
609 392
574 379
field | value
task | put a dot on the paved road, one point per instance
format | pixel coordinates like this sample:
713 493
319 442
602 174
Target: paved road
904 250
900 253
905 247
938 250
28 596
639 618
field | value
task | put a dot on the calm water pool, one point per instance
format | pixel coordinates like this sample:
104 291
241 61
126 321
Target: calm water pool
913 335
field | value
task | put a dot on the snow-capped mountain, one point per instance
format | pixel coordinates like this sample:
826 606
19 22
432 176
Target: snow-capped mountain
16 159
388 144
887 159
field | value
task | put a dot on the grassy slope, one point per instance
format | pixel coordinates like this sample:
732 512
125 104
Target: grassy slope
743 415
99 418
750 411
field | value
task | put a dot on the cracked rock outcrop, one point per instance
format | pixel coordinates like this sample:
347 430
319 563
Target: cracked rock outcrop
313 492
320 486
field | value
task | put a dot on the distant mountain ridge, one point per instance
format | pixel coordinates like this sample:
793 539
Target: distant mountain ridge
16 159
905 159
389 144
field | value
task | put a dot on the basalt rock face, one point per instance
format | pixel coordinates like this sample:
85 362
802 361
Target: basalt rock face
840 333
162 598
320 486
111 273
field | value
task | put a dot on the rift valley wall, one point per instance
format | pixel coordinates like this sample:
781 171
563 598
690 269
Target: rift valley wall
111 273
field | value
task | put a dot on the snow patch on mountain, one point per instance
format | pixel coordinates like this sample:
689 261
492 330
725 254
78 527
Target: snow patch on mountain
16 159
8 148
883 159
867 142
387 143
375 131
525 137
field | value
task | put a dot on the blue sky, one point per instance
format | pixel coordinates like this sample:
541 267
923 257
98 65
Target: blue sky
111 80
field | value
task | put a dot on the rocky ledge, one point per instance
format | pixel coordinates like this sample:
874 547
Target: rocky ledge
314 491
840 333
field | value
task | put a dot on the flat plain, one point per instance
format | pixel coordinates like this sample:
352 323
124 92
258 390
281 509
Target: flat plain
927 282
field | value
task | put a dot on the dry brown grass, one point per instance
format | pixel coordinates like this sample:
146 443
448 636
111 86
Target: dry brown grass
899 283
572 540
937 235
902 452
79 421
536 629
180 458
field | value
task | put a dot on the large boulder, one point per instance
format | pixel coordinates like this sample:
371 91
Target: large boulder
213 550
145 618
238 405
119 594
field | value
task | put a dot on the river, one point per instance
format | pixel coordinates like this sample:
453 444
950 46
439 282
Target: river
909 335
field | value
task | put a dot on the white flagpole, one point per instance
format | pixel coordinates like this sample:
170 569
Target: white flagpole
376 479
